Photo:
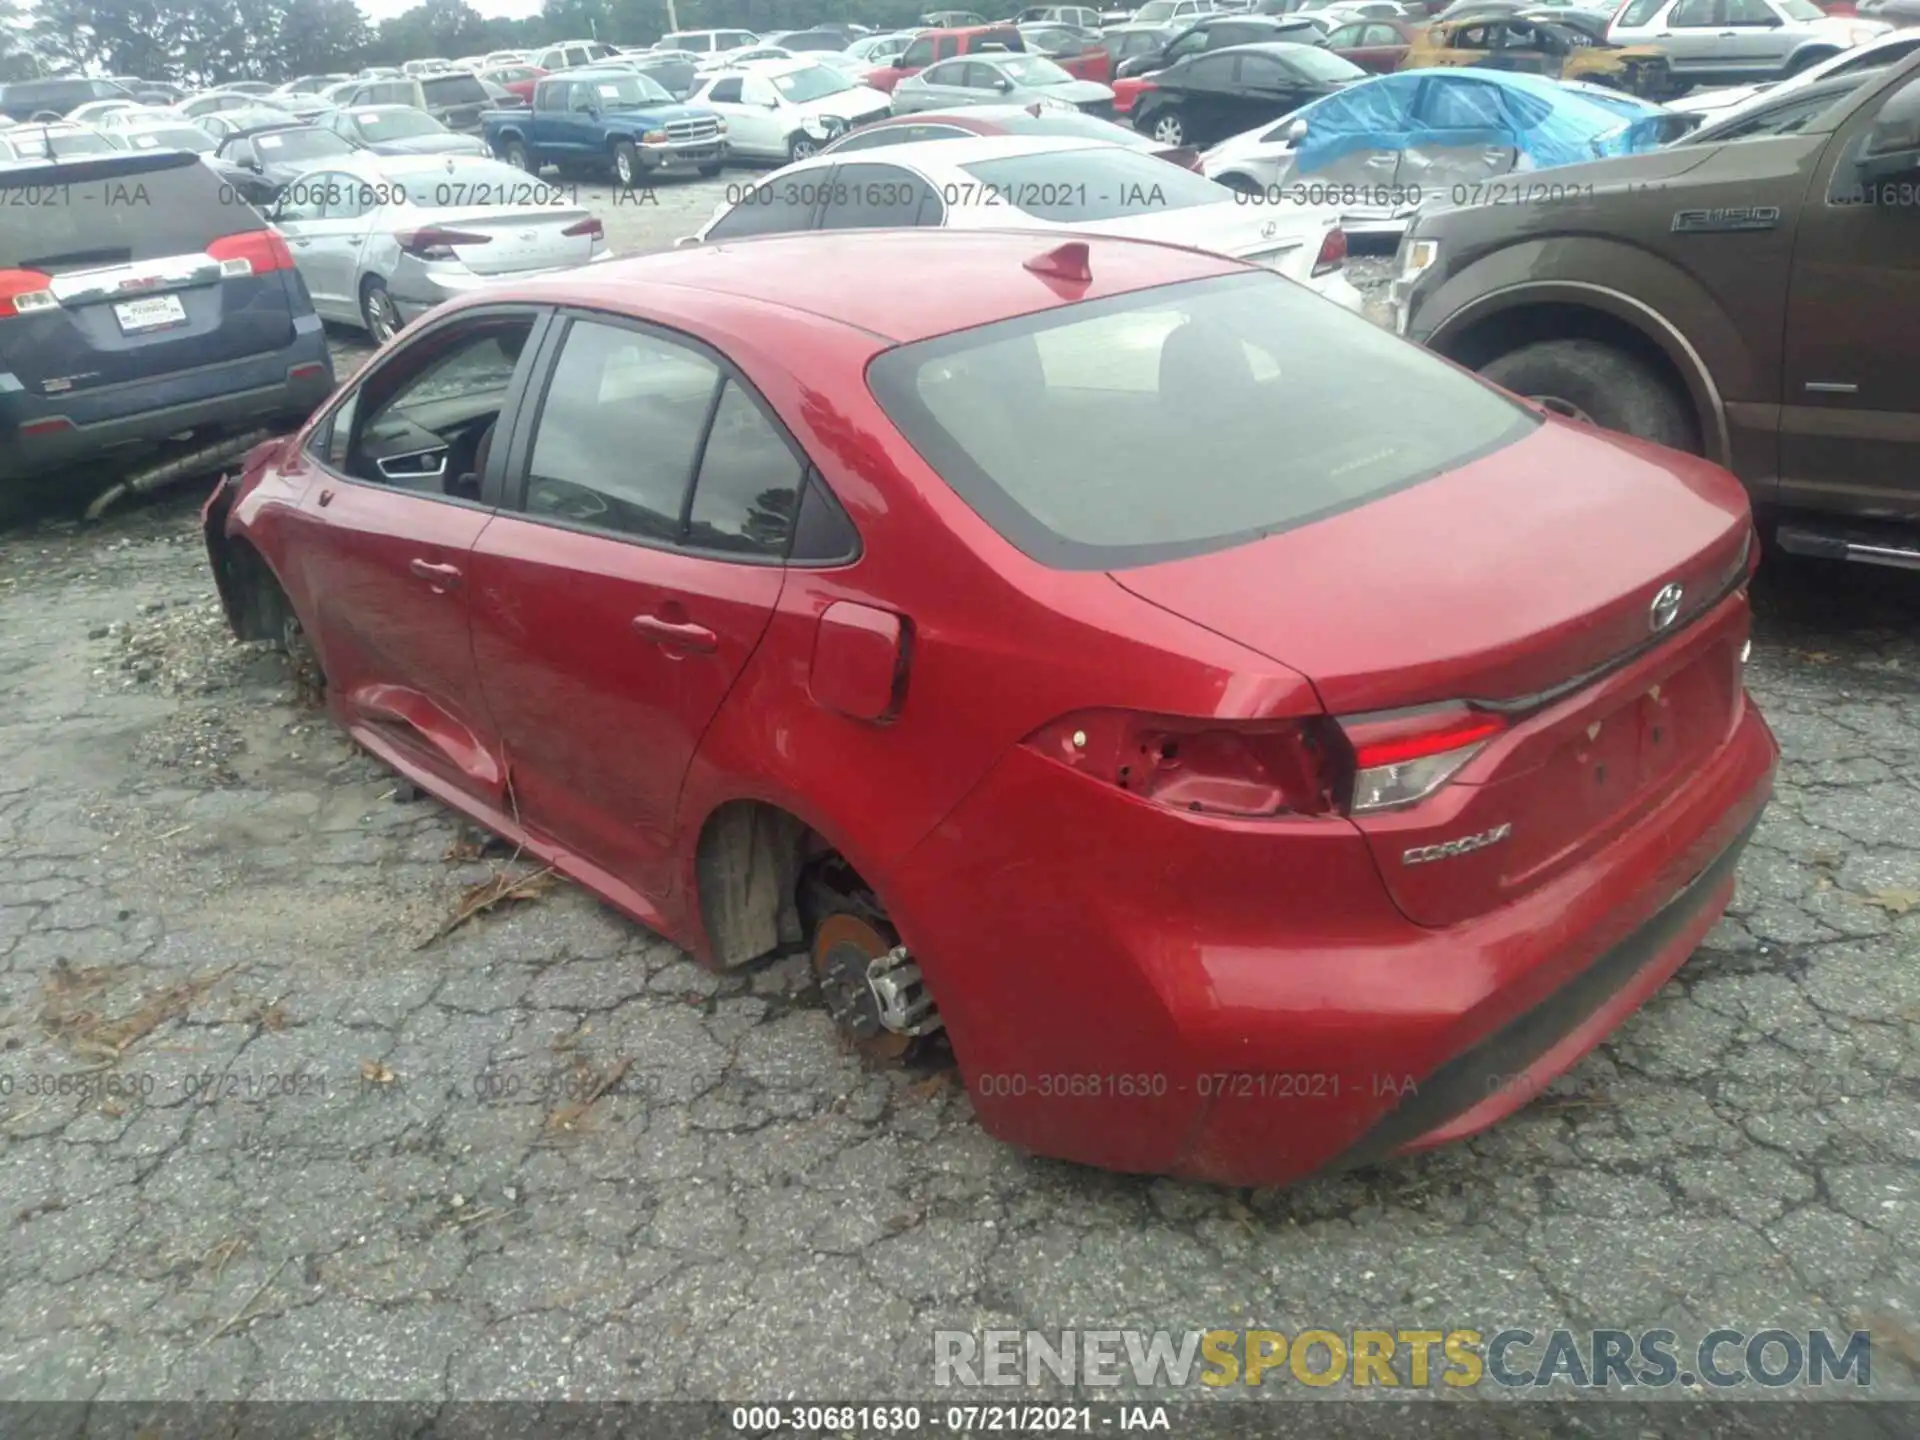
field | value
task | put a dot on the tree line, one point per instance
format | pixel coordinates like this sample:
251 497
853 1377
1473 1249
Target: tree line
208 42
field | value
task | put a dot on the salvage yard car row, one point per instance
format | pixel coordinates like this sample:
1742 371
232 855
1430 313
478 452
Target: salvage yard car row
1055 505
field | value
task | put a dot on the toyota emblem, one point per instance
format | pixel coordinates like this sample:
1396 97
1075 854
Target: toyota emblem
1665 608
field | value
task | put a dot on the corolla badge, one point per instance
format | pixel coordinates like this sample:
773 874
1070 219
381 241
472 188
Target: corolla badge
1465 845
1665 608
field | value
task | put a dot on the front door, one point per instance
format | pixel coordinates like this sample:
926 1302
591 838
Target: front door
1850 413
389 522
616 606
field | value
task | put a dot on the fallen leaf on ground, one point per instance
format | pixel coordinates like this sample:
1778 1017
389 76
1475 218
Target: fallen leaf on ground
374 1073
483 897
567 1116
1894 902
86 1031
931 1086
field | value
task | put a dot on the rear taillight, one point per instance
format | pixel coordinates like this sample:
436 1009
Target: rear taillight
589 226
1402 757
435 243
26 292
1245 768
1333 252
256 252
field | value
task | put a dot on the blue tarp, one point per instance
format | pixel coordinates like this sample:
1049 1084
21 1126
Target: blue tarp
1550 123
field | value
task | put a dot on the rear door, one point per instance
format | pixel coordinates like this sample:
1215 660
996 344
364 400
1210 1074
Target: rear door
1753 38
140 266
323 216
1690 34
625 592
1850 417
1466 136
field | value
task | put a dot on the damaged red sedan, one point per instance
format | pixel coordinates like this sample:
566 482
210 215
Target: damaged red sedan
1255 744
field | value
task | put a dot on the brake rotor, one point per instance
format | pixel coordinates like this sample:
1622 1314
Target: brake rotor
843 947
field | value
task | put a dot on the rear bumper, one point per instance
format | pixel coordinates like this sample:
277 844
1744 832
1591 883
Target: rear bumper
1239 1002
41 434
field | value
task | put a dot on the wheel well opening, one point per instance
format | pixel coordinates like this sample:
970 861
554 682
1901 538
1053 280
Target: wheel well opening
256 606
747 870
1511 329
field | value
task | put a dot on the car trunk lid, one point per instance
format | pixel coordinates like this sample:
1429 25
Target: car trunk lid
1545 618
513 241
139 274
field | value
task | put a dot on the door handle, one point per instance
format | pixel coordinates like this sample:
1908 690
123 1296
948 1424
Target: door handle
682 636
1383 162
441 577
297 242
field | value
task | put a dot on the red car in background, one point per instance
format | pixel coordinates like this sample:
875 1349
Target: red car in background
931 45
1073 655
1376 46
1006 120
519 79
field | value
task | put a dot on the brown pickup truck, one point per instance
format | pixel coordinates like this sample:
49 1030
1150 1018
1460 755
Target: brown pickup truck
1750 293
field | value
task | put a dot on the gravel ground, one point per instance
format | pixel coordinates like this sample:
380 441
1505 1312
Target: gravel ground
312 1152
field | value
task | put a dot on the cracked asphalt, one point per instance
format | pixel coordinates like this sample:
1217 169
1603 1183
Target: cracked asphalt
266 1138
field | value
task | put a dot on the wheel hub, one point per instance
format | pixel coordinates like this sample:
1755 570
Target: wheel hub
1563 407
872 988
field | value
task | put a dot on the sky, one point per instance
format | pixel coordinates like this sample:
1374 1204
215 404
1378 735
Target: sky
378 10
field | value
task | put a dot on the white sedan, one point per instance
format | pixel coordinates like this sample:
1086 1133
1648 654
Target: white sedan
1041 182
382 239
787 109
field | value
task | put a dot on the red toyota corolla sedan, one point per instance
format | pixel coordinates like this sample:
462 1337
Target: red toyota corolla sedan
1259 744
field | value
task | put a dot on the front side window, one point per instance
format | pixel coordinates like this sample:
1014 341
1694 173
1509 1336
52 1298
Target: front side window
1640 12
417 423
619 432
917 55
1181 419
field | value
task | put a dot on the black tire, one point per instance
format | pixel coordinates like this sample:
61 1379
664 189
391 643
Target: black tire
521 158
1604 384
627 170
377 310
1164 125
707 172
801 146
46 117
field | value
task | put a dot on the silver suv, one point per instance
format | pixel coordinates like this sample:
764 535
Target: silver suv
1739 42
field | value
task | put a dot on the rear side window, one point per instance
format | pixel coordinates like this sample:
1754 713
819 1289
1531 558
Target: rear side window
117 211
873 197
1182 419
1640 12
749 482
766 210
454 90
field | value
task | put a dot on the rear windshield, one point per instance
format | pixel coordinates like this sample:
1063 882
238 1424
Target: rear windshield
172 137
307 144
113 211
396 124
1068 187
454 89
1177 420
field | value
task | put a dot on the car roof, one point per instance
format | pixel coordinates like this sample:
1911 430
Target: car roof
885 294
389 166
384 109
947 156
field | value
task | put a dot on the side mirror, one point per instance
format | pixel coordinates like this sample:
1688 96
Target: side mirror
1003 85
1296 132
1892 151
